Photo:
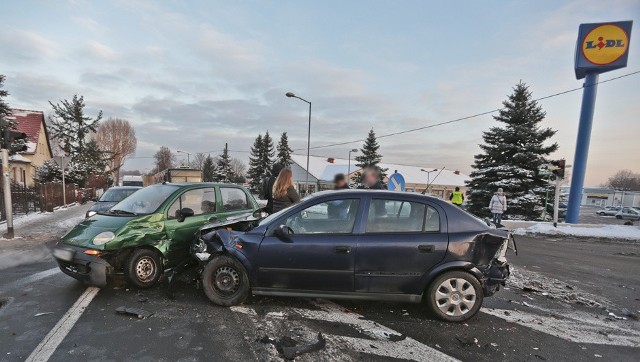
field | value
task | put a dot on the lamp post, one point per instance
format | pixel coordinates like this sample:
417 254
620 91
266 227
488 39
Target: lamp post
349 167
306 182
188 156
428 178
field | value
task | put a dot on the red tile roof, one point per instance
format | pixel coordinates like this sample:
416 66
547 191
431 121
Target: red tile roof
29 122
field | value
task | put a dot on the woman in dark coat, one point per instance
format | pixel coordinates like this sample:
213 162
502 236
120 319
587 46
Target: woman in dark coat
284 192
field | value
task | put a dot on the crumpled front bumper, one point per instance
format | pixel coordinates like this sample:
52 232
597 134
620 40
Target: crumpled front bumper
90 269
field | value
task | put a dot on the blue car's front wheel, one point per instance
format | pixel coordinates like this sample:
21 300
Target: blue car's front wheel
225 281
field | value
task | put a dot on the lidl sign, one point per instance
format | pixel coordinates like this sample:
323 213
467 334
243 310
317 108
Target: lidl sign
602 47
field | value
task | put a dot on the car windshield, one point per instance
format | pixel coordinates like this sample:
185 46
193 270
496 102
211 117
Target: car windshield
144 201
116 194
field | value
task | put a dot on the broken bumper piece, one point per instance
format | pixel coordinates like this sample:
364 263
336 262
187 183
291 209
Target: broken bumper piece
90 269
494 276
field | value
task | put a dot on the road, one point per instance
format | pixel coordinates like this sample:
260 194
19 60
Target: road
572 286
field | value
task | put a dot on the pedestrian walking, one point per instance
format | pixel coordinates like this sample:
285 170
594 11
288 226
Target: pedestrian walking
498 205
284 192
456 197
371 179
266 189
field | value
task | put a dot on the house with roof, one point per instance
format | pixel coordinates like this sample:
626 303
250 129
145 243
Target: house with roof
23 165
439 183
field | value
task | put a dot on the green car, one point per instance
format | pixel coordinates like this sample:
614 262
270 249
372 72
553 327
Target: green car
148 232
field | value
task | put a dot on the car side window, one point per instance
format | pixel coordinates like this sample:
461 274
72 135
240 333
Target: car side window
234 199
329 217
201 201
386 216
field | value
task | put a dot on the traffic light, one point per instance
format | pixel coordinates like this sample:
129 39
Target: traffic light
558 167
13 141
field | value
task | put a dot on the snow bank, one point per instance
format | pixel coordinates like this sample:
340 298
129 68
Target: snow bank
608 232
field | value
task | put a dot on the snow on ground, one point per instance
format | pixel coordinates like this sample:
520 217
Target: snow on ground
607 232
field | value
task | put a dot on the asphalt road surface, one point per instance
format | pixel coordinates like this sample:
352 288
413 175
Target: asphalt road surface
572 286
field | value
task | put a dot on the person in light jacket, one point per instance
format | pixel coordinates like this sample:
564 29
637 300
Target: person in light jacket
498 205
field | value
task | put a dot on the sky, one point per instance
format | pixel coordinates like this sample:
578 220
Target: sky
194 75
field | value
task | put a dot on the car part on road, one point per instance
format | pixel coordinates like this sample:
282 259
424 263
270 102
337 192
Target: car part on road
143 268
454 296
136 312
289 349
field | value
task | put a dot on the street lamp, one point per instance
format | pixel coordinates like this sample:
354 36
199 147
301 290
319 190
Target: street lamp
306 182
188 154
349 167
428 178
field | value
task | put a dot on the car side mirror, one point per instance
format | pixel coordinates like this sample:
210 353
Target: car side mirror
184 213
283 232
260 214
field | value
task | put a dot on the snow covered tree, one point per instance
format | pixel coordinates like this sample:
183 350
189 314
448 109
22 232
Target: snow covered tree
71 127
208 169
5 110
369 156
223 171
256 168
284 151
267 154
48 172
91 162
511 158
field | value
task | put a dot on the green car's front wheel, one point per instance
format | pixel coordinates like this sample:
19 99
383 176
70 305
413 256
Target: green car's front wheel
143 268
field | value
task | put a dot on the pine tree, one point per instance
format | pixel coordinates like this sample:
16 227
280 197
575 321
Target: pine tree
5 110
71 127
369 156
284 151
256 170
511 158
91 162
208 169
224 173
48 172
267 154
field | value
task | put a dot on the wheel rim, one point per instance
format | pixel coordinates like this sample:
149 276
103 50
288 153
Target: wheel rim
145 269
455 297
226 280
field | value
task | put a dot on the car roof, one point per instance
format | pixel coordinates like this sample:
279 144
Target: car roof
126 187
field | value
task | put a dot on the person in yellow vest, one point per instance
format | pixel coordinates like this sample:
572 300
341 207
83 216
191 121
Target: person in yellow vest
456 197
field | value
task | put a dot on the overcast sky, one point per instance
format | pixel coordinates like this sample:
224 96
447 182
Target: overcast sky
192 75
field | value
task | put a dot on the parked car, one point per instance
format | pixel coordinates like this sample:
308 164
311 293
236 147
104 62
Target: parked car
359 244
110 198
608 211
628 213
146 233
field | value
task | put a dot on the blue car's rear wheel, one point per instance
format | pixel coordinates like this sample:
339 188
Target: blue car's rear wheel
225 281
454 296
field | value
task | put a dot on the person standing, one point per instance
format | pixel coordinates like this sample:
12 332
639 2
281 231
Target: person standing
266 191
284 192
457 197
340 182
371 179
498 205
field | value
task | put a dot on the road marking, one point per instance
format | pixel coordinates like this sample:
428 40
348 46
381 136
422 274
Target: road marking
52 340
580 328
378 342
30 279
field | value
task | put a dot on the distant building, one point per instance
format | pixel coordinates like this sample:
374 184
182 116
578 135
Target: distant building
23 165
605 196
323 169
178 175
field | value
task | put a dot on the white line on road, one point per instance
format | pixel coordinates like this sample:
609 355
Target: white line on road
580 329
30 279
52 340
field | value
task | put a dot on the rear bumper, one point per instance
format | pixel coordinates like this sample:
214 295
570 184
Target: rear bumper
493 276
90 269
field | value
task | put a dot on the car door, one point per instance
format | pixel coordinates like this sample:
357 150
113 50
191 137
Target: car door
318 255
401 241
203 203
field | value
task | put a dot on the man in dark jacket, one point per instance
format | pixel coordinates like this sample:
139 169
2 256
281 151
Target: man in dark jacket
371 179
266 192
340 182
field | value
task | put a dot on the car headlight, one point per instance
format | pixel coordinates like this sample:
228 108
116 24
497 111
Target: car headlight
103 238
90 213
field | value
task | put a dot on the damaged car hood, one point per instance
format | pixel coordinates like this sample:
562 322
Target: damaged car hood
83 233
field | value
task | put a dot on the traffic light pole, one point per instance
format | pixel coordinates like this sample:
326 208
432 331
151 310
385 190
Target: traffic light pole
6 185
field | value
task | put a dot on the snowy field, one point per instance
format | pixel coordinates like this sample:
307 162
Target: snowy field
605 232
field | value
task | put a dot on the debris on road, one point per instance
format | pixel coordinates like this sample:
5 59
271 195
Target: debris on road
467 341
397 337
289 349
41 314
627 313
137 312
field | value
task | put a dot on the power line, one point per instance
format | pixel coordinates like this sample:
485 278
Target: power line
466 117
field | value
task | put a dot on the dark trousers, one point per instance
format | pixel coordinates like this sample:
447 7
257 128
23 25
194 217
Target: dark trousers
497 218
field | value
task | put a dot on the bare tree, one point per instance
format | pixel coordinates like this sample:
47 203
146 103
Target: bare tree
117 138
626 180
164 159
238 171
198 160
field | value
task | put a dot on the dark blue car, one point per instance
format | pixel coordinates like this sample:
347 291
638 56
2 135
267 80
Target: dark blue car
359 244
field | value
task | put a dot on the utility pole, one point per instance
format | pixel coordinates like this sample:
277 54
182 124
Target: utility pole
556 202
6 182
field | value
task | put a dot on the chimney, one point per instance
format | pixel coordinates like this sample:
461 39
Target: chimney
457 172
330 159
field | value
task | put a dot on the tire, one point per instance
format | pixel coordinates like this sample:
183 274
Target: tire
619 217
447 294
225 281
143 268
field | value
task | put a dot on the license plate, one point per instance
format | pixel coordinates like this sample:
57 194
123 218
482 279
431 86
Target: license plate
63 254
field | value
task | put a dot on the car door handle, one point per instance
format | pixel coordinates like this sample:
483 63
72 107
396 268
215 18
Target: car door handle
342 249
425 248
